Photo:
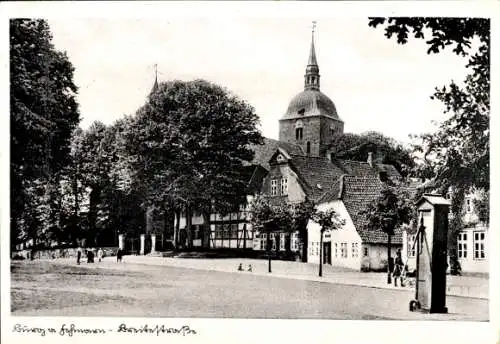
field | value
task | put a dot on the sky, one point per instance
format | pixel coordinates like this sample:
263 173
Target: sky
375 83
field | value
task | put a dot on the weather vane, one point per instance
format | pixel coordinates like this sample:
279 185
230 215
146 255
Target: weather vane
313 26
156 69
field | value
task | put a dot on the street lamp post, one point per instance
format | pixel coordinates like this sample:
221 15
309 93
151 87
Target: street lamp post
321 252
268 225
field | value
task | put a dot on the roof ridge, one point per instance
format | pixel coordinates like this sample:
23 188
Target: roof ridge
353 176
311 156
356 161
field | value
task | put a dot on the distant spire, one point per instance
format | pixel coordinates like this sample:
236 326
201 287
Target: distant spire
155 85
311 79
312 54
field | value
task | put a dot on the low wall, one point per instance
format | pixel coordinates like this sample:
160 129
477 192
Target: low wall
60 253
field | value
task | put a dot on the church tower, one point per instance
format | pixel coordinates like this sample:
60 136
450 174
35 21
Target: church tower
311 119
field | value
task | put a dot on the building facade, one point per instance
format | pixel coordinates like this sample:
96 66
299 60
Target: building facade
471 247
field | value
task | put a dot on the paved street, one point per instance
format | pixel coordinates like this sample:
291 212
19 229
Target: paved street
59 288
477 287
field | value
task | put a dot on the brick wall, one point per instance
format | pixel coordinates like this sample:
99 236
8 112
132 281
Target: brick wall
315 130
311 133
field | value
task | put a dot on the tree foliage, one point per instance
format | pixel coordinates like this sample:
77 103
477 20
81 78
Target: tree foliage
391 209
328 220
189 144
457 155
385 150
43 116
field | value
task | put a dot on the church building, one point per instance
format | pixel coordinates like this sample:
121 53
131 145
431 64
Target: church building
299 166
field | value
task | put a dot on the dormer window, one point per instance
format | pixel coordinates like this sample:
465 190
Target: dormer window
274 187
284 186
301 112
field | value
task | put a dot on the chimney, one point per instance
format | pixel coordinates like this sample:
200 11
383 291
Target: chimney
370 159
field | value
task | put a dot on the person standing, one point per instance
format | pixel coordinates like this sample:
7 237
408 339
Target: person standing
398 269
119 255
78 255
99 254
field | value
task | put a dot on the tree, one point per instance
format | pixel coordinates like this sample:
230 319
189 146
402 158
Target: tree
482 206
285 217
189 144
391 209
457 154
301 214
385 150
328 220
43 116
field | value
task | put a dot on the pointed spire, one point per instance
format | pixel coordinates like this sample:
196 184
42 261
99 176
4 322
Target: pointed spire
155 85
312 54
311 79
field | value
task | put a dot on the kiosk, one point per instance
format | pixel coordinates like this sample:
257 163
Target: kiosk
431 255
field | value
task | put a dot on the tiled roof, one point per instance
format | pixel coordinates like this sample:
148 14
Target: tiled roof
321 171
264 152
357 193
318 174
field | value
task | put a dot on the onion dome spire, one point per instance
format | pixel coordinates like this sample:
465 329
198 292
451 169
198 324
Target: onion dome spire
311 79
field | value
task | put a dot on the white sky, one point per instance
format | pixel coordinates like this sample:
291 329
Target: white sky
374 83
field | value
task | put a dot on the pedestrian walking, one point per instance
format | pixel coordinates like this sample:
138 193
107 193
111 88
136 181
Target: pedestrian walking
398 269
99 254
78 255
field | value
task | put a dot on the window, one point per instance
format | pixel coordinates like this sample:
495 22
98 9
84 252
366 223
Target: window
274 187
298 133
284 186
282 242
234 231
226 232
308 148
479 242
411 245
343 250
295 242
462 245
263 241
218 231
354 249
332 129
468 205
336 250
197 232
316 251
365 251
